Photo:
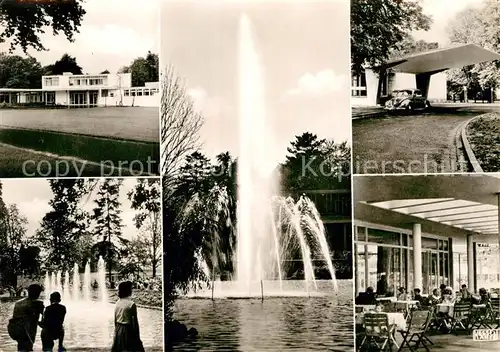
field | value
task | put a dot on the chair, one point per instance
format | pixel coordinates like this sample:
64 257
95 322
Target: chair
377 331
495 311
480 317
418 324
461 316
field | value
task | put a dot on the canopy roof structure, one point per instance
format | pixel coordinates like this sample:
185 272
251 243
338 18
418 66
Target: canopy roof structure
448 204
437 60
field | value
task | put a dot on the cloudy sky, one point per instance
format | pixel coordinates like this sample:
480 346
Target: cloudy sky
304 53
113 33
33 195
442 11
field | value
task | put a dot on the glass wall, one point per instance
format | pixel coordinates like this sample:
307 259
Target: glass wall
384 261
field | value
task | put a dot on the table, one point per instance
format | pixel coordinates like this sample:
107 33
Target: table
406 304
366 307
390 299
397 319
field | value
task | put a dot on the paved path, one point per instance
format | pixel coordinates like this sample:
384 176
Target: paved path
418 143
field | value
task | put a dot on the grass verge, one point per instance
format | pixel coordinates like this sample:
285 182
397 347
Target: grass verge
138 157
484 137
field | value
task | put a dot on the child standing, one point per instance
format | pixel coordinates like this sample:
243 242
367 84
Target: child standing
52 323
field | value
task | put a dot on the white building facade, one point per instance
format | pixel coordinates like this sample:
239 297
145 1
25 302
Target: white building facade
424 71
367 88
102 90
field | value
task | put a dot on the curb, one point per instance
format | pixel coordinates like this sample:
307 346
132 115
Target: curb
467 147
367 115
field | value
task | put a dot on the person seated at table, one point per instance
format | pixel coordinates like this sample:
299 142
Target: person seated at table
435 297
379 308
447 296
464 293
382 286
484 296
402 296
418 297
366 298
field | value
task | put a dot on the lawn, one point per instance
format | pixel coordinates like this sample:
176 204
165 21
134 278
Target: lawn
484 137
136 123
122 140
17 162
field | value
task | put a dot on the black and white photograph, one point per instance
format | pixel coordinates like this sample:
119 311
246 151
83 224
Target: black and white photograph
79 90
424 89
255 153
426 262
81 265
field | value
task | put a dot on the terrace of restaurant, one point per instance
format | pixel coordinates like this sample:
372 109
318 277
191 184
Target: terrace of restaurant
417 232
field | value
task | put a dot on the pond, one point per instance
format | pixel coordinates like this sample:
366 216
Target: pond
90 325
316 323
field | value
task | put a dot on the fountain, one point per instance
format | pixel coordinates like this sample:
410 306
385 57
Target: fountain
76 282
272 231
57 286
101 280
73 291
66 293
89 322
86 283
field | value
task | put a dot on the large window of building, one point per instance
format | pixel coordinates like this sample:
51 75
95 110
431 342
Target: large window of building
51 81
358 85
384 261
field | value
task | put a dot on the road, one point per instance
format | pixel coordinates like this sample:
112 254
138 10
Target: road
415 143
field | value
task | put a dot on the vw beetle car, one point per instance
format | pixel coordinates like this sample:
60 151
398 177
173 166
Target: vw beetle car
408 100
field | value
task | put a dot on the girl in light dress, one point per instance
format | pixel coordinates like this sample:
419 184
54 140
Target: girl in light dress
127 337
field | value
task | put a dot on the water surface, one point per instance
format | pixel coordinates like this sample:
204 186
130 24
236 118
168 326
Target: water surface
89 325
275 324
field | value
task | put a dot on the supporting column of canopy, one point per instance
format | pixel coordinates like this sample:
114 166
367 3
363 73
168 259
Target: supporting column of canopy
498 203
417 256
470 263
367 273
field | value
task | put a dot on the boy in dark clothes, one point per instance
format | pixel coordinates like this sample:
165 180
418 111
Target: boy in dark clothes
52 323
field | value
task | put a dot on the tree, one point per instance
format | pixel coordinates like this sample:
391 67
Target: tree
146 200
136 258
105 72
15 236
61 228
315 164
477 25
3 218
143 69
410 46
380 26
180 126
108 221
22 24
20 72
66 63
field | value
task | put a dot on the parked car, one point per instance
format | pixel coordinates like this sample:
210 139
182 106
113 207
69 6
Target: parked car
407 99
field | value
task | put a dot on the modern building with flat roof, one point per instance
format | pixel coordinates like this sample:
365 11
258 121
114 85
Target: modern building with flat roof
423 71
86 91
424 231
335 209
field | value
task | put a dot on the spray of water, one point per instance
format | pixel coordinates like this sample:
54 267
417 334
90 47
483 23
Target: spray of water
74 291
101 279
76 282
87 286
271 231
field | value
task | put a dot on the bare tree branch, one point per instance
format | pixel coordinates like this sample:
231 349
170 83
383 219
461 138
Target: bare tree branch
180 124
